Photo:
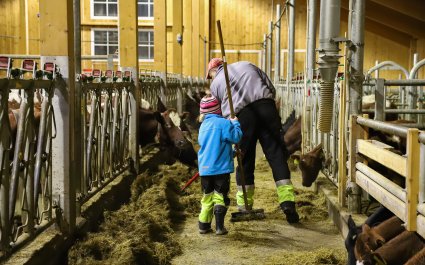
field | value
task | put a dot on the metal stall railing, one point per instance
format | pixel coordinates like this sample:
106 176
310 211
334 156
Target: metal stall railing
106 129
27 206
297 96
27 129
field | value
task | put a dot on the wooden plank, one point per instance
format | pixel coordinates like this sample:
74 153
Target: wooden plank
389 159
128 43
420 223
55 22
187 37
195 39
177 29
412 181
383 181
160 35
387 199
342 149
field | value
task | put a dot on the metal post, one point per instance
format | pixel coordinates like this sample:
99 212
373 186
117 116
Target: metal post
277 48
311 39
269 49
291 40
380 100
413 92
264 52
422 174
79 101
357 28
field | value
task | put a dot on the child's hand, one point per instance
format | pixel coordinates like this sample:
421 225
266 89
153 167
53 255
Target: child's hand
233 119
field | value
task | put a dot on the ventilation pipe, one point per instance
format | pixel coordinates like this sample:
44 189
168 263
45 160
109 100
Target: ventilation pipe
328 59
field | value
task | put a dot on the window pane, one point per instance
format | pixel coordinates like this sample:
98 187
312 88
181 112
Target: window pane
139 10
151 37
143 1
100 37
151 10
151 52
99 50
113 49
143 53
99 10
113 37
99 1
143 37
112 10
143 10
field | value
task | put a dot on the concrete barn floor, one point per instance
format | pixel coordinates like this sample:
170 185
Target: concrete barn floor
270 241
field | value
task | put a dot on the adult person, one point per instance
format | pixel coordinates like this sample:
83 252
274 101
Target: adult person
253 100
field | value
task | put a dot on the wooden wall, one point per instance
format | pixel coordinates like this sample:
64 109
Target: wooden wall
250 25
244 22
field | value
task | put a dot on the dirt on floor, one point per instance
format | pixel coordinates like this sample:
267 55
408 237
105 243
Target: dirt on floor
315 240
159 226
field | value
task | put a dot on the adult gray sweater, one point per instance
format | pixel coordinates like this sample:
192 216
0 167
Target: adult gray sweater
248 83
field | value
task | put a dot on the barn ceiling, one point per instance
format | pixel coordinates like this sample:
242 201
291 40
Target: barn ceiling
398 20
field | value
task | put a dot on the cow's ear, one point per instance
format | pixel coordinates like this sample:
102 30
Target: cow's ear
351 224
158 117
365 228
184 115
160 106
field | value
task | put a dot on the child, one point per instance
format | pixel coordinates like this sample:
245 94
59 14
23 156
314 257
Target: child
215 160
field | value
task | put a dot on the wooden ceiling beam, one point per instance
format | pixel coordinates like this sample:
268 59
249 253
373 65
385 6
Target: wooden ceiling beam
392 19
412 8
382 30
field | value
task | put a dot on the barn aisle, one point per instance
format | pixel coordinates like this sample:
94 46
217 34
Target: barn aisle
271 241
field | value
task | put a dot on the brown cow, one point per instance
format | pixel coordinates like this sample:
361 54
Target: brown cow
418 259
171 137
372 238
310 163
396 251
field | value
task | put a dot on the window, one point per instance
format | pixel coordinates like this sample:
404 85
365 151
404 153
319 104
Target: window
104 8
105 41
146 45
145 9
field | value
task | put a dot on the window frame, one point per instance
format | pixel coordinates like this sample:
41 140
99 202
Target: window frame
149 3
93 30
153 44
92 16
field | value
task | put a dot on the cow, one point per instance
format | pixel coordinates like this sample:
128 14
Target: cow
368 102
372 238
380 215
396 251
310 163
171 137
417 259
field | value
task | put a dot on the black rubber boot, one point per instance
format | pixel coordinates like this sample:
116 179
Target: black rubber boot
289 210
204 228
220 212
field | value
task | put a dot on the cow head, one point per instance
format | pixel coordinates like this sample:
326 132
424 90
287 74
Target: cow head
367 241
172 135
310 164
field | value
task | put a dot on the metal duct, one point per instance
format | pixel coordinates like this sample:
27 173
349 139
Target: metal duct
328 59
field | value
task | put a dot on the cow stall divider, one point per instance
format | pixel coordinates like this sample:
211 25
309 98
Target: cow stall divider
26 204
106 128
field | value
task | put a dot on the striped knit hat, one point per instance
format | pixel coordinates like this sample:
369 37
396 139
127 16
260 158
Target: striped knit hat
210 105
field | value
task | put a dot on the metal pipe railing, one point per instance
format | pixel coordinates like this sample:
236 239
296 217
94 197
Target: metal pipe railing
383 127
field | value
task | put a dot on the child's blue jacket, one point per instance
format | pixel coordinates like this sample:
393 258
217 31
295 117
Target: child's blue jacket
216 136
